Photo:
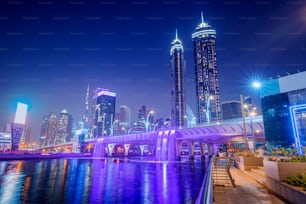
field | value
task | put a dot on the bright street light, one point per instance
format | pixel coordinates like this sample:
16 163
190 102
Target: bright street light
256 84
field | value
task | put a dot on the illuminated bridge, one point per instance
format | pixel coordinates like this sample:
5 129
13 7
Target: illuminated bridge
169 144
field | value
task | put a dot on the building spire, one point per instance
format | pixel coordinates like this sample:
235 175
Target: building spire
202 18
176 34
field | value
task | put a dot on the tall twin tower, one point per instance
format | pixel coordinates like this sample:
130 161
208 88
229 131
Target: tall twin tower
206 77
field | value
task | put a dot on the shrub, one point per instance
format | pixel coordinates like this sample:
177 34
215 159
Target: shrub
298 180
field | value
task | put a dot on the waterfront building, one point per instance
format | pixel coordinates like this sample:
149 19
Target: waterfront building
104 112
177 74
231 110
283 105
64 127
206 74
5 140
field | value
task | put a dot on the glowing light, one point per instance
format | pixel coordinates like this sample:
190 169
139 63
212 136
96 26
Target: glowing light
256 84
21 113
293 111
106 93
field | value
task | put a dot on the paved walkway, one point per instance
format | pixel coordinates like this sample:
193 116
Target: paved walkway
247 191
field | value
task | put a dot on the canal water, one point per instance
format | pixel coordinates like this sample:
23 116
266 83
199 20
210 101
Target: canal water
99 181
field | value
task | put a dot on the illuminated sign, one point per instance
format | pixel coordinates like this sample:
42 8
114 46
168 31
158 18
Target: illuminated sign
21 113
106 93
294 112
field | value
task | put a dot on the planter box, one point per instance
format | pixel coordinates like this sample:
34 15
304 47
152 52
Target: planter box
282 170
249 162
289 193
276 172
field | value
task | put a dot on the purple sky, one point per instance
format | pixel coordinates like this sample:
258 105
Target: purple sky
51 50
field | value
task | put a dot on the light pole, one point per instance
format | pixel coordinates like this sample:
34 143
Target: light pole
244 125
208 112
251 114
112 127
147 120
187 121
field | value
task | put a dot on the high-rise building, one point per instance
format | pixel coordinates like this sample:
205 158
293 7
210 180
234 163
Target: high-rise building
104 112
86 112
64 127
206 73
56 129
51 129
125 116
142 112
178 103
283 106
231 110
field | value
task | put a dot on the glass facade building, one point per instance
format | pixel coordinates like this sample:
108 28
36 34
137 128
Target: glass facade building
283 102
206 74
231 110
178 99
104 112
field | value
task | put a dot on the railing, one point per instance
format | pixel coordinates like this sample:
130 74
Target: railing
205 195
221 171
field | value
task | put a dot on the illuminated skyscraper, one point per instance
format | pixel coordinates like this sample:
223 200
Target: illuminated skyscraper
206 73
64 127
86 112
105 111
178 105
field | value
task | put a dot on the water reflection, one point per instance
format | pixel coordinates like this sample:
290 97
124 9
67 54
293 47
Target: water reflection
98 181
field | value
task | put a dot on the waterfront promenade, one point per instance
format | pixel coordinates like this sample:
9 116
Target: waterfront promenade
247 190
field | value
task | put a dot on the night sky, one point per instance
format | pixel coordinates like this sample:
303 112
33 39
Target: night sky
51 50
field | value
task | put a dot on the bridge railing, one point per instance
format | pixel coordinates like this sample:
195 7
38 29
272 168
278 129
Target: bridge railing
205 195
228 121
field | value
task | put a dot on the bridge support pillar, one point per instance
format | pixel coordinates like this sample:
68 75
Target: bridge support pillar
142 147
110 148
126 149
178 150
212 149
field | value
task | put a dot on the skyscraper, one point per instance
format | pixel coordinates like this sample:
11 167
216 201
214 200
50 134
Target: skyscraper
104 112
125 116
206 73
86 112
64 127
178 105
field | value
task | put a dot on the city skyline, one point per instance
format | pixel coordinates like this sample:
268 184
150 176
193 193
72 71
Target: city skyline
51 51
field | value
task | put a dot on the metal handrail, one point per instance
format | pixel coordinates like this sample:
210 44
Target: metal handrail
205 195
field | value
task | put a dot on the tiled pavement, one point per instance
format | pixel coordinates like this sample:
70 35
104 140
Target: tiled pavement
246 191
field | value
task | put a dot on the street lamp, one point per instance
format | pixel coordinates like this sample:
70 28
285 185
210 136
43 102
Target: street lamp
147 120
244 125
251 113
256 84
208 112
187 121
112 127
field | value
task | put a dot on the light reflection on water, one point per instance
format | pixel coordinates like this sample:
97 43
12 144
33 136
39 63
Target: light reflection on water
98 181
